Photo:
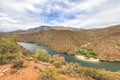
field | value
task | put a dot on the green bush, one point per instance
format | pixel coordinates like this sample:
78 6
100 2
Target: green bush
42 55
49 74
57 64
87 52
18 64
9 51
52 60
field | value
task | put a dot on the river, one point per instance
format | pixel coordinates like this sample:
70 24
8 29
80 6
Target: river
111 66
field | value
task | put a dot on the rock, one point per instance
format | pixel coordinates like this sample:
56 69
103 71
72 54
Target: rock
6 69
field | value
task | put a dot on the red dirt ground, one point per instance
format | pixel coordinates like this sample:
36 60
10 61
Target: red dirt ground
27 73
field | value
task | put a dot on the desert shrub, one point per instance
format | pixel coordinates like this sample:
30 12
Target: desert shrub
49 74
57 64
9 51
52 60
18 64
73 68
42 55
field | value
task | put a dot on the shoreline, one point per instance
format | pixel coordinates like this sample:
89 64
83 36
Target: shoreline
85 58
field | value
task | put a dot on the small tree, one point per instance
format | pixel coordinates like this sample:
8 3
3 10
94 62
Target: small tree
42 55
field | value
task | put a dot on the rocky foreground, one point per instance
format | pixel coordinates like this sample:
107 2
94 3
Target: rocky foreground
31 71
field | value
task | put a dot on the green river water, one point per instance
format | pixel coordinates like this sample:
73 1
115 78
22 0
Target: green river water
111 66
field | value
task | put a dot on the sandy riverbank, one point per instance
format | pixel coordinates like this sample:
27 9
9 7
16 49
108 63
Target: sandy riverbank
86 59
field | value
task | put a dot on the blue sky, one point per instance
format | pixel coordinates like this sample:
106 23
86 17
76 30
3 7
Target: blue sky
24 14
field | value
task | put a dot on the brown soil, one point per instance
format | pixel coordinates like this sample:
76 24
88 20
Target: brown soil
27 73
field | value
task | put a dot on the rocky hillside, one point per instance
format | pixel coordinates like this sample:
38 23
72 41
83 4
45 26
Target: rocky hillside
108 47
58 40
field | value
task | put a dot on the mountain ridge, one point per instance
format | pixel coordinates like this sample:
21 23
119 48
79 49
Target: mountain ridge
44 27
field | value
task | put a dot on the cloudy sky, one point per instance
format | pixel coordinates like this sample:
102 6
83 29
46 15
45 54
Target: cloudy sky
24 14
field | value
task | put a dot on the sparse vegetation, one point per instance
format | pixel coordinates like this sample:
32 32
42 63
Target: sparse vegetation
49 74
73 69
97 74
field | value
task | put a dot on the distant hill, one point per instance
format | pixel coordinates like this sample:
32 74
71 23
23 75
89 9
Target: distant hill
44 28
39 28
32 29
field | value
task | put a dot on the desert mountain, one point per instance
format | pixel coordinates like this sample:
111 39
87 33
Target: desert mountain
44 28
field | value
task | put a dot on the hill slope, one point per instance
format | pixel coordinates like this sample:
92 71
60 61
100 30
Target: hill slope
108 47
58 40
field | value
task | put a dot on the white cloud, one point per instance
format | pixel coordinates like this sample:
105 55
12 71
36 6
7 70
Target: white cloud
9 24
5 17
21 6
102 18
24 14
89 4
